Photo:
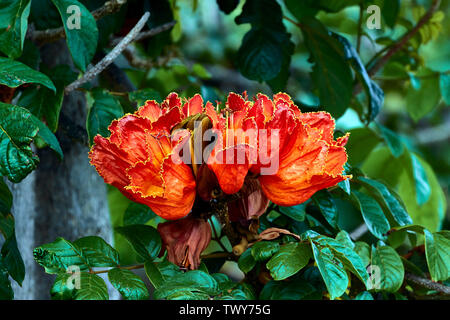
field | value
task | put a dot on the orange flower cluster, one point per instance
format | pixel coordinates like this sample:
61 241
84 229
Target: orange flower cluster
140 159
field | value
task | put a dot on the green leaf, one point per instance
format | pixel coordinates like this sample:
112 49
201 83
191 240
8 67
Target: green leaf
104 110
227 6
335 5
246 261
421 102
362 249
331 269
144 239
62 289
18 127
58 255
154 274
444 84
195 281
44 103
437 250
374 93
297 289
130 286
14 74
97 252
267 47
6 292
345 186
82 39
7 225
142 95
92 287
295 212
17 131
344 238
290 259
423 189
13 260
364 296
47 136
301 9
263 250
389 272
383 195
373 215
137 213
331 74
349 258
327 207
6 199
392 140
13 26
390 11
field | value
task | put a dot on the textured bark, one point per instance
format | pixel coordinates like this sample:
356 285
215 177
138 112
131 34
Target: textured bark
61 198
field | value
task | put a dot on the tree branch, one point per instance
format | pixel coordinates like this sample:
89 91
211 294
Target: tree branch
110 57
426 283
49 35
148 34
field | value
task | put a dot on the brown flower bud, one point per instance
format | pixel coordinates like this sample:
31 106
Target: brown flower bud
185 240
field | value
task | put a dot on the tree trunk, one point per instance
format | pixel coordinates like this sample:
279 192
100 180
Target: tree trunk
61 198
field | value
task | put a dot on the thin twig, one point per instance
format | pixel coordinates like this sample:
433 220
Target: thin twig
403 40
140 266
110 57
426 283
49 35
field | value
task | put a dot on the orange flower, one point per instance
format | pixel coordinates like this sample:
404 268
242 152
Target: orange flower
136 158
309 159
263 149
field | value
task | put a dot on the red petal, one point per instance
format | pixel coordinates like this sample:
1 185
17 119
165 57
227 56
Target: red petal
235 102
322 121
193 106
171 101
150 110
